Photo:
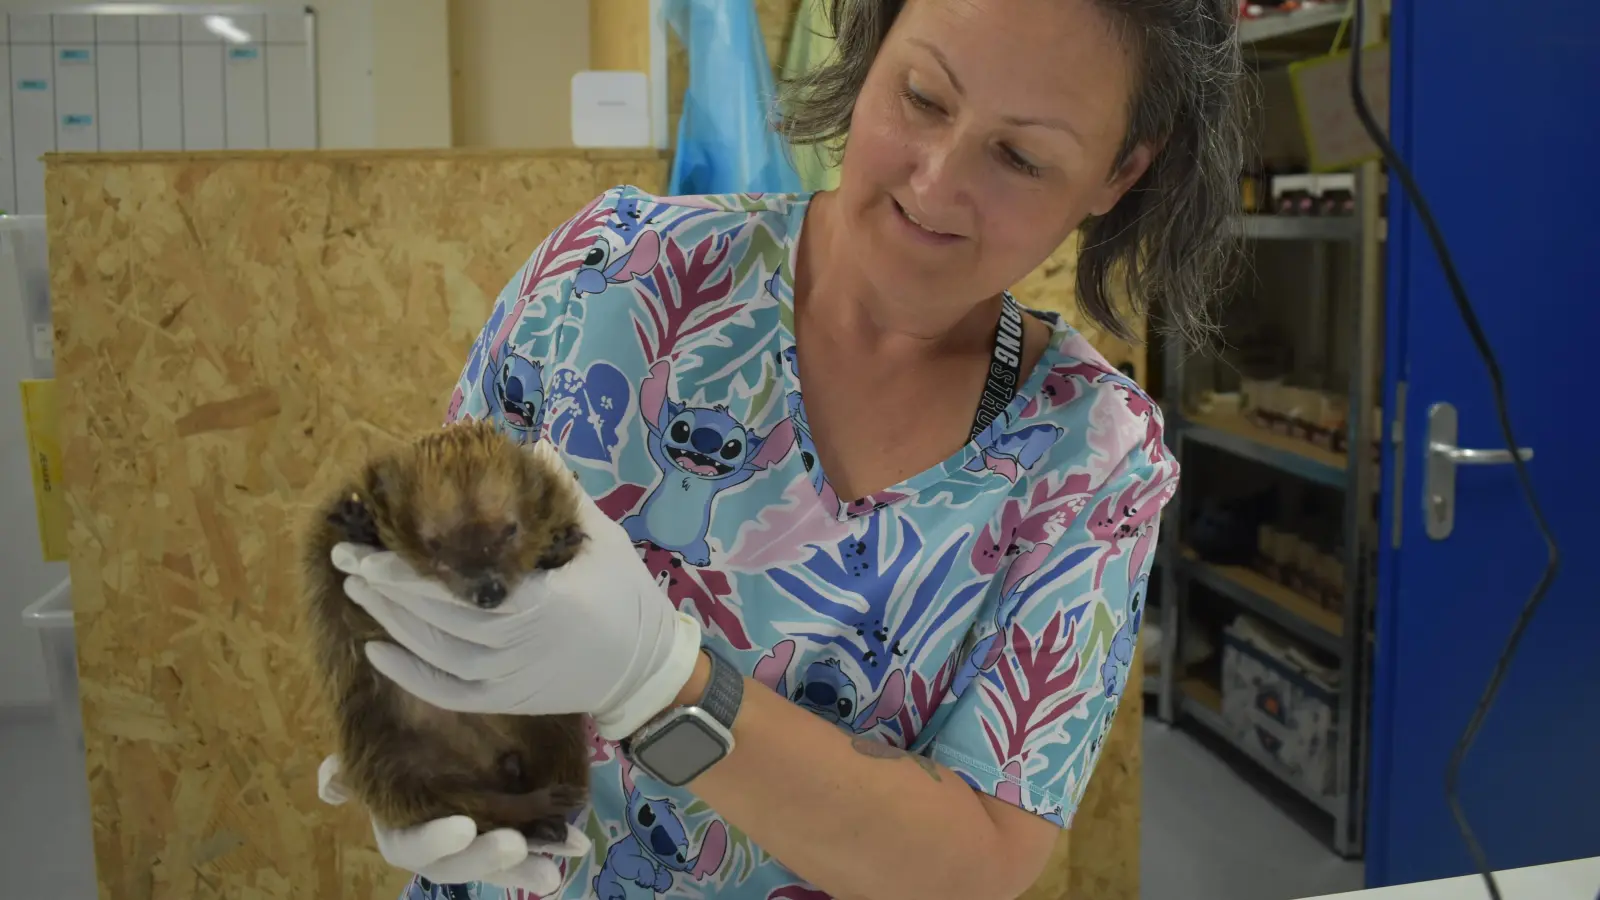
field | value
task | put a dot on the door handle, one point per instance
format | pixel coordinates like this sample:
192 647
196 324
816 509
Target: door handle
1462 456
1439 487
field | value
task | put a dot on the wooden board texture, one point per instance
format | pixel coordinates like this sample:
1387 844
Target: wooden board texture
233 330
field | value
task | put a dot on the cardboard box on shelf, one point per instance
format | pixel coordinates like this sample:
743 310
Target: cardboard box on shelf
1280 702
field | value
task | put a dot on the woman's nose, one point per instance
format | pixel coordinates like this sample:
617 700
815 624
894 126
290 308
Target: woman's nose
937 179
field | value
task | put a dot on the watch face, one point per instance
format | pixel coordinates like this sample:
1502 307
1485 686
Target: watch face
680 751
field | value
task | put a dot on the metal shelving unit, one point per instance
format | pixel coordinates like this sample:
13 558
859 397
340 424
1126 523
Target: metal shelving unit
1343 635
1200 702
1284 24
1239 436
1298 228
1300 616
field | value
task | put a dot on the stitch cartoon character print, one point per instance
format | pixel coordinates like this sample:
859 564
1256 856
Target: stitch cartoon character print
981 613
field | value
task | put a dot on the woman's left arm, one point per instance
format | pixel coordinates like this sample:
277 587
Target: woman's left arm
861 819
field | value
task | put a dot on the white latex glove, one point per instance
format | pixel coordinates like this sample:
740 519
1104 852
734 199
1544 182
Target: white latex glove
596 636
451 851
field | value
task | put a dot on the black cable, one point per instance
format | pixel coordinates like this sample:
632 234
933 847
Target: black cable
1470 319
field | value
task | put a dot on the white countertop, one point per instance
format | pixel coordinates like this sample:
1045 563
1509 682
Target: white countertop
1575 880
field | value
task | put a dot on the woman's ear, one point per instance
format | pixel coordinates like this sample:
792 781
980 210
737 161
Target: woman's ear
1132 169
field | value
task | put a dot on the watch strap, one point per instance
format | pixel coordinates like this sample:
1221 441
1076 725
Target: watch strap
724 691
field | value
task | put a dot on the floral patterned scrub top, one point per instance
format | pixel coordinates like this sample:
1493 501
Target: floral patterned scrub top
982 612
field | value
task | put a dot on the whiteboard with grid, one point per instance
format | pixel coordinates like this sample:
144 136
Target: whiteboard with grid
230 77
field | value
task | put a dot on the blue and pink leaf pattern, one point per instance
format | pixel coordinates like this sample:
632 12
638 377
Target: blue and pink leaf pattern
983 612
872 611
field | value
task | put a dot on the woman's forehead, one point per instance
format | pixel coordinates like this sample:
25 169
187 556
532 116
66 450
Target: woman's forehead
1028 59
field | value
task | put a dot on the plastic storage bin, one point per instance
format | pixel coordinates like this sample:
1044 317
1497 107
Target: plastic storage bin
25 281
51 615
1279 702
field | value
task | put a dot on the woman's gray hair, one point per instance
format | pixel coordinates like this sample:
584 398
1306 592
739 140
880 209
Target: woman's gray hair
1170 238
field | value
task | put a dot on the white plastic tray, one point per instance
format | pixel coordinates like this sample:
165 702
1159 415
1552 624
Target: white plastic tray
51 615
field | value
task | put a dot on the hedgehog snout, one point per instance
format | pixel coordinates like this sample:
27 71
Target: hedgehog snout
489 593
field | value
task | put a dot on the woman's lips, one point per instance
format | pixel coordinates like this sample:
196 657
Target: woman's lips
920 232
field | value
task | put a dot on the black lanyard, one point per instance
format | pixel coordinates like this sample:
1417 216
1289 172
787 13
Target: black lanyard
1005 366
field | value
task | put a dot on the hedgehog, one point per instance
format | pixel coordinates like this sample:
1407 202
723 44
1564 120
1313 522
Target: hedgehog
472 509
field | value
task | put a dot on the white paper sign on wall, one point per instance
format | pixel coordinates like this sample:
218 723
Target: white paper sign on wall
611 109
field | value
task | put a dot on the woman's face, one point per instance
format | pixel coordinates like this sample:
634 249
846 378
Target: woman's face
993 123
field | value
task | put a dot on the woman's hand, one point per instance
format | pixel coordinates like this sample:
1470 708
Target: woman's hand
451 851
595 636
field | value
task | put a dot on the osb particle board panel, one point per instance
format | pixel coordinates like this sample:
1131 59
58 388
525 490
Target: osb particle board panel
232 332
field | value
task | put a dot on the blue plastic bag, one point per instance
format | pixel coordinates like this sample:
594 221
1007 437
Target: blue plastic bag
725 142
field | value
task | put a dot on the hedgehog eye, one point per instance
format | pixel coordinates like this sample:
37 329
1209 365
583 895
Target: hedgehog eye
732 449
680 431
434 545
509 532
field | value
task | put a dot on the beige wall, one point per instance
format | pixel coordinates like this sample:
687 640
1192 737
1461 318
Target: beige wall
512 63
619 35
411 73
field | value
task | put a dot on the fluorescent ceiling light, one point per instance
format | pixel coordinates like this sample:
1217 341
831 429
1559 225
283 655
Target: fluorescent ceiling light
225 27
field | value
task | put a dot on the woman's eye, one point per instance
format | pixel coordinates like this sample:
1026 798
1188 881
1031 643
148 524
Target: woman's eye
1021 164
916 99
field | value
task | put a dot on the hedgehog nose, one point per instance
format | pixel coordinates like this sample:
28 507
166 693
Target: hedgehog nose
706 440
490 594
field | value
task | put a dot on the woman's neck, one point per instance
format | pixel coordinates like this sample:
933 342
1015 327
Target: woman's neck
833 296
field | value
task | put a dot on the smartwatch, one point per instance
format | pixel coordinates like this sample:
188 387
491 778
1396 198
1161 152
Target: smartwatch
678 745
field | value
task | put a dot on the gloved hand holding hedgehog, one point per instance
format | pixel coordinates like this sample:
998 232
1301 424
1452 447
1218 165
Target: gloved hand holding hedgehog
497 577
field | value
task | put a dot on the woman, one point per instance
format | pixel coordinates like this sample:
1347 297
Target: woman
906 560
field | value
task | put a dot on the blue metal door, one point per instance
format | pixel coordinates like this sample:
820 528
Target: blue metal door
1495 107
